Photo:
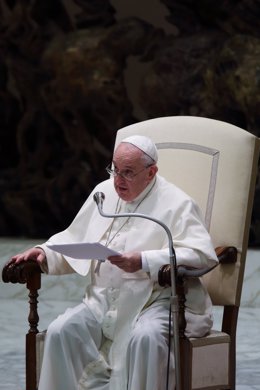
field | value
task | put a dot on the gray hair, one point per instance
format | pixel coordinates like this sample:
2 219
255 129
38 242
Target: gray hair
147 160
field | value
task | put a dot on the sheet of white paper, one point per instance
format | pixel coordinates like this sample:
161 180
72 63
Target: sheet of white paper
83 251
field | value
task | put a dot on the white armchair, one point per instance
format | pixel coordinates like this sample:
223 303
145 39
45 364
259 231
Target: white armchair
216 164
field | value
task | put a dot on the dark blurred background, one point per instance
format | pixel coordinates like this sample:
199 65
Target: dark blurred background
73 72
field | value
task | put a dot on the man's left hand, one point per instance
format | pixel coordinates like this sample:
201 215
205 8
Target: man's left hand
128 262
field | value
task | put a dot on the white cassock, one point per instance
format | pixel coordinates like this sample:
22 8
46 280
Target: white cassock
117 338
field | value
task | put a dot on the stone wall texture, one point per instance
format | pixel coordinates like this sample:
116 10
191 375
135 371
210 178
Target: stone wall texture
72 72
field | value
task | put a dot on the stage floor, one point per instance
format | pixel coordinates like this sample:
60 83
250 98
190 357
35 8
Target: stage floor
58 293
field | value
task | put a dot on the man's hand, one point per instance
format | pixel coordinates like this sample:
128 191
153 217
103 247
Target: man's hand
129 262
36 254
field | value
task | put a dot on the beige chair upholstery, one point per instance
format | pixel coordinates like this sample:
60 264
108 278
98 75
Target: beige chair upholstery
215 163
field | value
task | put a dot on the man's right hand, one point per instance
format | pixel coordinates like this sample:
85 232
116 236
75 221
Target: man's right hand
36 254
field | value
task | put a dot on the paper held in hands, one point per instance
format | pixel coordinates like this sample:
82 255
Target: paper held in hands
84 251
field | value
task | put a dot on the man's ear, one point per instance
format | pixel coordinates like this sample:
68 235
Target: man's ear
152 171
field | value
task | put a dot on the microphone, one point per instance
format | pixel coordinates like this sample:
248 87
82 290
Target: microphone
99 197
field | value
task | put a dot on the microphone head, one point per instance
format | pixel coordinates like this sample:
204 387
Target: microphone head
99 197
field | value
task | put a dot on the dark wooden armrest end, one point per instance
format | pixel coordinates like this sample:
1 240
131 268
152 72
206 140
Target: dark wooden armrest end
20 273
226 254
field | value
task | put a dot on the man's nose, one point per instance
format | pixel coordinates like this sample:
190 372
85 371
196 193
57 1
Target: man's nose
119 179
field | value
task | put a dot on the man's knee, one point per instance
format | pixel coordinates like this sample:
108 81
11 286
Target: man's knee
58 328
146 335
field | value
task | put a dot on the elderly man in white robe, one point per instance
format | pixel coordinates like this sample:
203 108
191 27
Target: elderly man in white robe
117 338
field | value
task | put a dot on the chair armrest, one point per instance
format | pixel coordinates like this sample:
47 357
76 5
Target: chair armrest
226 255
28 272
22 272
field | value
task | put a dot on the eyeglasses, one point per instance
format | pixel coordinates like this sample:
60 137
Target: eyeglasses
126 174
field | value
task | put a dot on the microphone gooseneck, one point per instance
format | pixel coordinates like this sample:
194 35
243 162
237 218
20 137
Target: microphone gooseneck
99 198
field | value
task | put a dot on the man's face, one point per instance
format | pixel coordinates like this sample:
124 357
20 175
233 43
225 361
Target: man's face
128 159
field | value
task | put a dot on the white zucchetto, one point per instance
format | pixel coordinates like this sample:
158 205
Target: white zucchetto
143 143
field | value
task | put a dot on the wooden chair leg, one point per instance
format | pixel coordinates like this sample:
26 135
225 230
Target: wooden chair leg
33 285
186 364
184 342
229 325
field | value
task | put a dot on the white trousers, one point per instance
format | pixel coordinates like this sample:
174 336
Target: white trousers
74 339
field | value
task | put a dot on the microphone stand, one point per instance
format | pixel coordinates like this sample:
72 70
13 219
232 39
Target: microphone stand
99 198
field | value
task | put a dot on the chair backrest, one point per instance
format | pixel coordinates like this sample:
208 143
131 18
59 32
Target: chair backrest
216 164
